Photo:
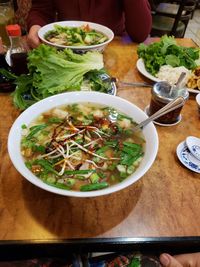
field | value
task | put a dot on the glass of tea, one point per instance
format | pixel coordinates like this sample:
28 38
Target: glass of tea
6 17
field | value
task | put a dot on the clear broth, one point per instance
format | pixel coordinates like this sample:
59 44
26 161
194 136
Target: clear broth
82 147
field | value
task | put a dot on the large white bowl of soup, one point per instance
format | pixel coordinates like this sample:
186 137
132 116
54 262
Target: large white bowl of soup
82 144
80 36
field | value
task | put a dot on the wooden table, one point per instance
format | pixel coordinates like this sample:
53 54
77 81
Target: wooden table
164 202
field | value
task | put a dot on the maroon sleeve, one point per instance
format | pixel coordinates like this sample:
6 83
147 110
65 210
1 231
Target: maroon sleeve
42 12
138 19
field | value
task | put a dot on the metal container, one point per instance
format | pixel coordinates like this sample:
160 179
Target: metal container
162 94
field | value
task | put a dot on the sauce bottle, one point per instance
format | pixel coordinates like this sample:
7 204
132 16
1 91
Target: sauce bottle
17 54
161 95
6 85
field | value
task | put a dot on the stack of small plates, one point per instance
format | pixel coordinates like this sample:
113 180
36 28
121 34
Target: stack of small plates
188 153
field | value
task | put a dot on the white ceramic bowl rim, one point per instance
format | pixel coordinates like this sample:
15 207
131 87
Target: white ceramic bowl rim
120 104
73 23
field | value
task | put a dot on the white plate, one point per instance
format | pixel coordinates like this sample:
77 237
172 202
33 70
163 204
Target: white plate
141 68
186 158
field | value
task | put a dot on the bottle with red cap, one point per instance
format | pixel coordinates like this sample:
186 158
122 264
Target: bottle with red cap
17 54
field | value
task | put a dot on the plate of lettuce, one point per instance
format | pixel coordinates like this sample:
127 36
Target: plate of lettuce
52 71
165 52
168 52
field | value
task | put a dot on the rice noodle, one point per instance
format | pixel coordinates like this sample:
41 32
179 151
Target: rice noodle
171 75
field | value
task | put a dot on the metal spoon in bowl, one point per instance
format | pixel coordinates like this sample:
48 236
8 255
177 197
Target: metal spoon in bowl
174 104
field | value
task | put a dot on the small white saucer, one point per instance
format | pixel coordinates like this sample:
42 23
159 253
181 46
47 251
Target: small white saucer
146 110
186 158
193 143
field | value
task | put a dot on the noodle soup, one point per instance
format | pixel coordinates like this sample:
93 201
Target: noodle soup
82 147
75 36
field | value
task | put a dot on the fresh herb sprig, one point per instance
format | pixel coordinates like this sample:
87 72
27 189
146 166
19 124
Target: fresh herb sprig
167 52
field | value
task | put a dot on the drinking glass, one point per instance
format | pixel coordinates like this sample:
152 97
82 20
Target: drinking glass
6 18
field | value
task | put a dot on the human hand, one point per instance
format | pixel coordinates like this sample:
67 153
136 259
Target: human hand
32 38
182 260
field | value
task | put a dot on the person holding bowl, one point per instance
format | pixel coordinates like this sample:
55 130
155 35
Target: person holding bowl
131 16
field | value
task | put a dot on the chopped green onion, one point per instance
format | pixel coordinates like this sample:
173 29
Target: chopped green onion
58 185
94 178
70 182
24 126
69 172
91 187
55 120
46 165
35 129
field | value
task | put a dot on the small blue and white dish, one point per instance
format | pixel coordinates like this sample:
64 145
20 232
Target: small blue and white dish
113 89
193 143
186 157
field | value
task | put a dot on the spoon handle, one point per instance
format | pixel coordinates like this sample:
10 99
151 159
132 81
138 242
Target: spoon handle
174 104
180 79
134 84
122 83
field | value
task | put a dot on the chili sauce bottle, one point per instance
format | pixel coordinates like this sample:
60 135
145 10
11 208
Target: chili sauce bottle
17 54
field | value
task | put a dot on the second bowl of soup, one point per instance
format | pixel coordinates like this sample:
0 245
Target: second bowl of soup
81 36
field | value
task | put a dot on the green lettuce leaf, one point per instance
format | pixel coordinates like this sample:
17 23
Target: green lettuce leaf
54 71
57 71
167 52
